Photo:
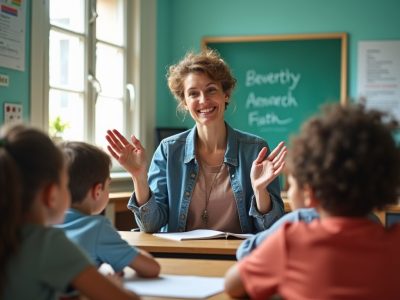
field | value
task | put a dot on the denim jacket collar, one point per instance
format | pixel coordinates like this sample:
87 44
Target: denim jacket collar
231 147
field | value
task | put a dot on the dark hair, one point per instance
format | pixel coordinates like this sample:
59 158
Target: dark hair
87 165
29 161
209 62
349 158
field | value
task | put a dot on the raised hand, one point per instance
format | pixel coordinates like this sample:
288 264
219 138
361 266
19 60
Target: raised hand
265 169
131 156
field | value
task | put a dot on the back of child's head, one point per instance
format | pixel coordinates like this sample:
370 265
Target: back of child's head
88 165
29 161
349 158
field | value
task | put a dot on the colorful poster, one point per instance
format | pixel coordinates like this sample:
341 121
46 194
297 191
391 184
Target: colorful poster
379 75
12 34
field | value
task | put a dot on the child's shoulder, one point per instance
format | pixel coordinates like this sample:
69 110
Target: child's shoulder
74 215
394 229
75 220
40 233
39 239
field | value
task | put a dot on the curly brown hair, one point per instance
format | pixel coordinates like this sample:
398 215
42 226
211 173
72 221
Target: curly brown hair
209 62
349 158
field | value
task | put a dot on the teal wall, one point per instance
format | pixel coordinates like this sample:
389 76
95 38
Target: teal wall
182 24
18 90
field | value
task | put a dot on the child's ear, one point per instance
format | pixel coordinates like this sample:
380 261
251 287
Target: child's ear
50 195
309 196
97 190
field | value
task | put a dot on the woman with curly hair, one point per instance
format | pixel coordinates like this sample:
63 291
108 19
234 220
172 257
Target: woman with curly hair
211 176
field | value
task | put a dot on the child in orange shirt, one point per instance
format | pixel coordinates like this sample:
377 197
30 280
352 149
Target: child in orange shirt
37 261
344 163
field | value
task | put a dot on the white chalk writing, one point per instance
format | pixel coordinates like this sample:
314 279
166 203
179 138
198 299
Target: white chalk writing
284 101
283 77
270 118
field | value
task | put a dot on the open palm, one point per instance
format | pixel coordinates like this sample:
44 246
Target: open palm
131 156
265 169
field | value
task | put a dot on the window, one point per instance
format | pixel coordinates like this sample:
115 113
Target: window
86 68
87 93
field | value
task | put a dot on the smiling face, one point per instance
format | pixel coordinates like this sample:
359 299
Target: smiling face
204 98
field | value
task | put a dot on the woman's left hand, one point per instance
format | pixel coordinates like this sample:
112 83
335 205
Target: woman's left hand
265 169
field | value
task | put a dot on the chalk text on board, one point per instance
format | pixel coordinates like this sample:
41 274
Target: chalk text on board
254 118
283 77
281 101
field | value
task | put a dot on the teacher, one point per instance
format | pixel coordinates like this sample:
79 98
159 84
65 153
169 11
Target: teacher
211 176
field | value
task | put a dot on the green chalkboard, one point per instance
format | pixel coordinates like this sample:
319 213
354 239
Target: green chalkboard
282 80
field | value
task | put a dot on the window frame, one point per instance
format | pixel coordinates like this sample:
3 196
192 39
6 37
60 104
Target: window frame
141 56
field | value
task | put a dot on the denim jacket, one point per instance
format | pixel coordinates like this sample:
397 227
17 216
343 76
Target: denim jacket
172 177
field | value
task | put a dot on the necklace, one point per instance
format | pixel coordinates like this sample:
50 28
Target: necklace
204 215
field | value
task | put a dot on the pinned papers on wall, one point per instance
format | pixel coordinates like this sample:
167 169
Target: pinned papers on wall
379 75
12 34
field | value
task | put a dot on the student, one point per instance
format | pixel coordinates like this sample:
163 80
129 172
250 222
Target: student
89 173
302 214
37 261
210 177
345 164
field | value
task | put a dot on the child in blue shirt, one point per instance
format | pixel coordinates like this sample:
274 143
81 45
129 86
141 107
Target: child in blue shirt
37 261
89 172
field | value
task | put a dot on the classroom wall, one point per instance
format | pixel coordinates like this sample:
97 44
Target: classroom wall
19 81
182 24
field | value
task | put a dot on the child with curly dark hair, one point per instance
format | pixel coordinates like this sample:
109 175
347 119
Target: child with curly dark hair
344 163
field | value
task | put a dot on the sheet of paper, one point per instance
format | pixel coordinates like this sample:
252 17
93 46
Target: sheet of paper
379 75
198 234
176 286
191 235
12 34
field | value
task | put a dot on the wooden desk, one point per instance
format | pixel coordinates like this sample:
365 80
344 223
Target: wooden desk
395 209
194 267
159 247
118 203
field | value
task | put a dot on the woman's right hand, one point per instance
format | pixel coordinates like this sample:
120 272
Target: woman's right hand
131 156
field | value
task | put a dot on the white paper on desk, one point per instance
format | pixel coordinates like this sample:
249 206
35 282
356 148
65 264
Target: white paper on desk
201 234
177 286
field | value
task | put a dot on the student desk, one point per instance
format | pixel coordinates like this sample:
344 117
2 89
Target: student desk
194 267
118 203
159 247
